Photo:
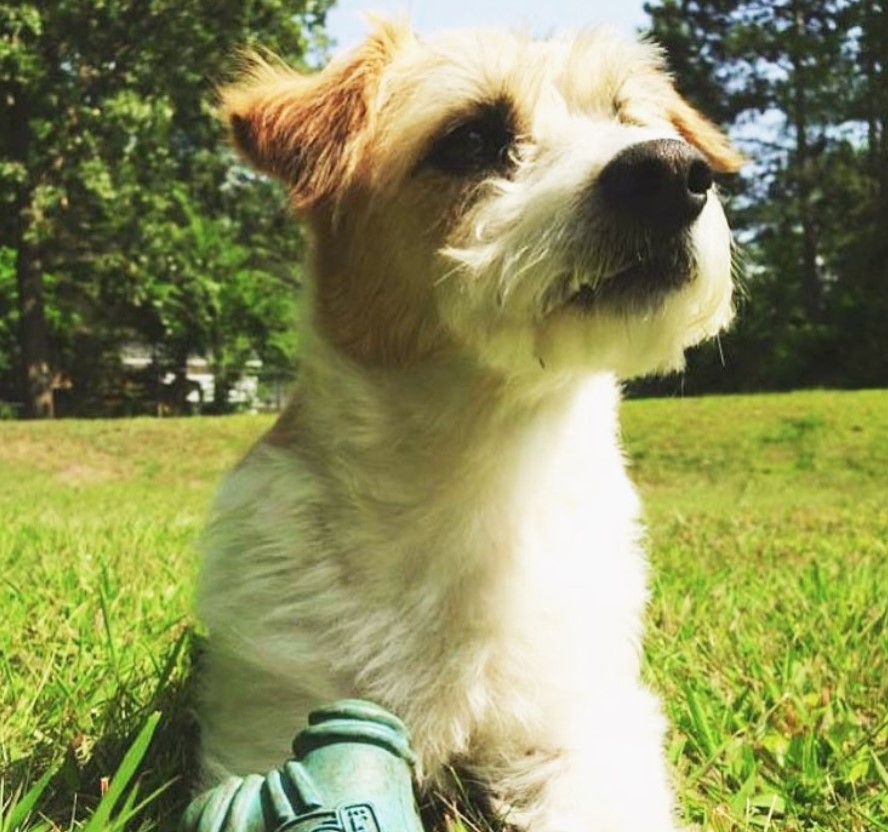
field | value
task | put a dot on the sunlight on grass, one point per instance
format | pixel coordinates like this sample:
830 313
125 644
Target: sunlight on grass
769 538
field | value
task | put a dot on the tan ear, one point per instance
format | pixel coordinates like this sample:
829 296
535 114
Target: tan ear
309 130
706 137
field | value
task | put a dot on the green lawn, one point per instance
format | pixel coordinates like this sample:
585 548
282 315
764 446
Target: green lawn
769 535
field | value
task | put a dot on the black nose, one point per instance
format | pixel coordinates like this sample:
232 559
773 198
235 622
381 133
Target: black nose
660 184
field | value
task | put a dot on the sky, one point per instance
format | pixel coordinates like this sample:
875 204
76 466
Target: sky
540 17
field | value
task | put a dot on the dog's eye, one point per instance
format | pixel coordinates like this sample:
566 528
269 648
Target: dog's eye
476 145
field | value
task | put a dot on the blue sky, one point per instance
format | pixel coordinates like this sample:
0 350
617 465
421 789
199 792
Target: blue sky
541 17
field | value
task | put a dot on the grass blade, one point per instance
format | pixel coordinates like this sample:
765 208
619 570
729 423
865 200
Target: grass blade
101 819
13 815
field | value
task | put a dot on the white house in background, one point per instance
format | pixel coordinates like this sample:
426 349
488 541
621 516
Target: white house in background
244 392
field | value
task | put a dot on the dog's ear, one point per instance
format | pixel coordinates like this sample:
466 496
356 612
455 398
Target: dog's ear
705 136
309 130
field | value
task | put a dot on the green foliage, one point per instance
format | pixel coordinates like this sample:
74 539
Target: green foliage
120 198
802 86
125 220
767 636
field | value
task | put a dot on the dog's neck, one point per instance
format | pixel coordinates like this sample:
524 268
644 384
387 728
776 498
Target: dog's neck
436 488
411 436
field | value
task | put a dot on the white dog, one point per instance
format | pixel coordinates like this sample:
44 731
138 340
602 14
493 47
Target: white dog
440 521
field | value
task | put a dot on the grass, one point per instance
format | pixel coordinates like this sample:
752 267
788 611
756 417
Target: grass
769 536
769 640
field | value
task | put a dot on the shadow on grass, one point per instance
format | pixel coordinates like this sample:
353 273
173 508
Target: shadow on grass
464 805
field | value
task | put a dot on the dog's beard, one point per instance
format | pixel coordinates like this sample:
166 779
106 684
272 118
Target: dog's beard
573 299
544 276
632 276
579 264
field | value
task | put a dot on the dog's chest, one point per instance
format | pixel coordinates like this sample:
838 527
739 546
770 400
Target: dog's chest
531 569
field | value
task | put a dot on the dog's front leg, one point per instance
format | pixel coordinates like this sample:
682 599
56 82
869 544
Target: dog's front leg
610 776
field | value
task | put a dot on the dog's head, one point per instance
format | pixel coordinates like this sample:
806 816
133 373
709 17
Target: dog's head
531 203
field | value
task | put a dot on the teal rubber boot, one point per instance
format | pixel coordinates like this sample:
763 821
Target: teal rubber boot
351 772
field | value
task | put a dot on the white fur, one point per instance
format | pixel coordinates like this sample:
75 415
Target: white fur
457 538
489 593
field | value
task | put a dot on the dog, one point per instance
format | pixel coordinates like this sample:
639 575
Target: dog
440 520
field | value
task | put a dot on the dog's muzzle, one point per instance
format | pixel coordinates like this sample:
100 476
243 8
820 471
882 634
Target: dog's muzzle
650 193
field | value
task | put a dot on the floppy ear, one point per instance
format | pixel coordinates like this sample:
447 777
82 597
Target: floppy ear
309 131
705 136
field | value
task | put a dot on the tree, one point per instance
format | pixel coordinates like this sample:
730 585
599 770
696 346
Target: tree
110 148
23 202
802 85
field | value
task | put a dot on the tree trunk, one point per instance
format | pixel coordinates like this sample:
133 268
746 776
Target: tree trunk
878 23
810 283
33 335
33 332
868 61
